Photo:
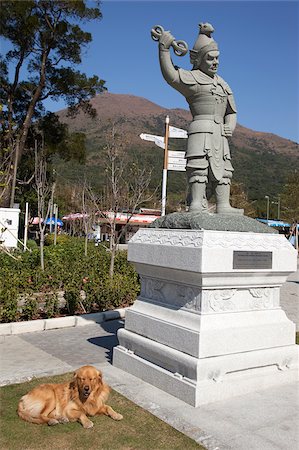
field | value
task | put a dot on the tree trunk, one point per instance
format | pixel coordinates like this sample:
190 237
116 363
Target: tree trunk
86 244
113 247
41 249
14 176
112 261
21 140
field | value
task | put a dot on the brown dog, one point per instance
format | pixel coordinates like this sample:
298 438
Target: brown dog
68 402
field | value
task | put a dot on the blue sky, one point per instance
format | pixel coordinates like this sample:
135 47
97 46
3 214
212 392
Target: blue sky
259 56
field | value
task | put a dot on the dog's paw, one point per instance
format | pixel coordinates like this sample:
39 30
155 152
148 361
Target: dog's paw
63 419
88 424
118 416
53 422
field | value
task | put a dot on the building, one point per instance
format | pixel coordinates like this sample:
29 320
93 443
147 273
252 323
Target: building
99 226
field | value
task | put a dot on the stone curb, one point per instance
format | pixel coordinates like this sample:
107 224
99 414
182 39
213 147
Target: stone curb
29 326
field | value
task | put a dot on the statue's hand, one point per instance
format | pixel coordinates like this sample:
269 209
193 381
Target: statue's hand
166 40
227 130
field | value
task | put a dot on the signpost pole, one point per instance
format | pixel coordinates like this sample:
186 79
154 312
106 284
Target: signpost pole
165 167
55 223
26 226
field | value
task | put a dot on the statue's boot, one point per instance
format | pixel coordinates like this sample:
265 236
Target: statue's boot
222 201
198 197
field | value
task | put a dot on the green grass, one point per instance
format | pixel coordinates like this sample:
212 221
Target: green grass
137 431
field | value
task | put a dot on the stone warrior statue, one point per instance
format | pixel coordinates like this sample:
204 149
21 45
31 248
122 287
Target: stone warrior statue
213 109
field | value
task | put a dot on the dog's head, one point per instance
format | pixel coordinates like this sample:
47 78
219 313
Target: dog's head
87 379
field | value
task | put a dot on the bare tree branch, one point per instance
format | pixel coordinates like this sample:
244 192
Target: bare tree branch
43 190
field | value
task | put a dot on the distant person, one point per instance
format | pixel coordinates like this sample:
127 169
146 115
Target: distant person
293 235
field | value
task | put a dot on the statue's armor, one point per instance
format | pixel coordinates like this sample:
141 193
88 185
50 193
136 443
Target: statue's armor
209 100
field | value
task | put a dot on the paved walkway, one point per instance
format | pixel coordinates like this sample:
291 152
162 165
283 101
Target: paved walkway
264 420
289 297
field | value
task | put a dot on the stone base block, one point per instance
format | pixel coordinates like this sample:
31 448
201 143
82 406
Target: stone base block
215 388
208 335
208 323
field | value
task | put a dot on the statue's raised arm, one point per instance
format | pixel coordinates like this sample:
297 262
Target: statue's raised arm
166 41
212 106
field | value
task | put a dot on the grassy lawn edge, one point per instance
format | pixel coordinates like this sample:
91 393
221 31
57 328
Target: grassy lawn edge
138 430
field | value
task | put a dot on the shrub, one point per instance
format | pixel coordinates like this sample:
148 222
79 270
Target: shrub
51 306
60 239
66 269
8 304
31 244
109 293
30 308
72 297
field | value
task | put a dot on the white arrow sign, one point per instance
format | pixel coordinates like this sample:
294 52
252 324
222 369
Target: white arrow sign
176 154
177 161
177 167
158 140
177 133
150 137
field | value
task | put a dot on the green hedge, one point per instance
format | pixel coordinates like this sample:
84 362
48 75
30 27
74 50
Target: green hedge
26 292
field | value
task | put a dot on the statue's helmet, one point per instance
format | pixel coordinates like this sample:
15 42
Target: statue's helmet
204 44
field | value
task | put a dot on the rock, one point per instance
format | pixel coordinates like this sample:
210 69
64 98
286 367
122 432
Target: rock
207 221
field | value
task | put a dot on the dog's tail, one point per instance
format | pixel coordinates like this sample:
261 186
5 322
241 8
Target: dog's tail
27 415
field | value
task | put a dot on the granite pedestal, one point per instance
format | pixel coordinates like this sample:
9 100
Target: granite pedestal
208 323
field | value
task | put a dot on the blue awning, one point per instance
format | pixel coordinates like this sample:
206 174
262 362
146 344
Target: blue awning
274 223
51 221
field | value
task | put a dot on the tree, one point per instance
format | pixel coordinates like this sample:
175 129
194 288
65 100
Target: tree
88 213
57 142
239 199
290 198
127 187
47 41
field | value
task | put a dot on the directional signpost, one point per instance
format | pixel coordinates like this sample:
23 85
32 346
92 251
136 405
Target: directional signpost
173 160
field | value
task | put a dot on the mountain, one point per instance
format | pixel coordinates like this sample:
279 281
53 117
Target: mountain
262 161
